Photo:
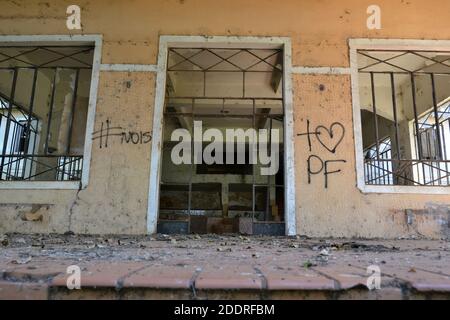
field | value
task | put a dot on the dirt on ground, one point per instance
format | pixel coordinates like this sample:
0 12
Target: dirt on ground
199 249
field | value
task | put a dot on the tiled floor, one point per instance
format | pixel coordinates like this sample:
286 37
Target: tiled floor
226 267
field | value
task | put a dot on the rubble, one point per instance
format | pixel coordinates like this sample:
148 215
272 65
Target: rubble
23 260
4 240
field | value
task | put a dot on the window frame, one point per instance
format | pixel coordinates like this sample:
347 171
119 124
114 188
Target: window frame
165 42
96 41
384 44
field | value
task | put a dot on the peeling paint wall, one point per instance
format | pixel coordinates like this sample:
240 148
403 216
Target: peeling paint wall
341 209
115 200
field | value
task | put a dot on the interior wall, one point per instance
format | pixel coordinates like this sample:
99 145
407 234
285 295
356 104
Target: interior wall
385 129
404 106
115 200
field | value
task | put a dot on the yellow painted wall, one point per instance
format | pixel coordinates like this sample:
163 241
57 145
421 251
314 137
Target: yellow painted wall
116 199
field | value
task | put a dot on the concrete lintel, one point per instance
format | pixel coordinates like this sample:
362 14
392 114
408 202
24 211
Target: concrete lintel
129 67
321 70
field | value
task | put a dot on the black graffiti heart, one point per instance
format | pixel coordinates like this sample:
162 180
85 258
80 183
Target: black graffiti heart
330 138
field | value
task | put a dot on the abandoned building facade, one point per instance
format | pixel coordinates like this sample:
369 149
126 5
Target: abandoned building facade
254 117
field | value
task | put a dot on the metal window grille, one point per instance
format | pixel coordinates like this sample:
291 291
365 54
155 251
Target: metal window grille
433 147
422 160
28 122
190 106
379 172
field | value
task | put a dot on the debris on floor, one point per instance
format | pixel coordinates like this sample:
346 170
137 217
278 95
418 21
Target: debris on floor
228 260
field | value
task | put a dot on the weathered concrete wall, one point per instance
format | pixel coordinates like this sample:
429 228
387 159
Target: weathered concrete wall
341 209
115 200
319 29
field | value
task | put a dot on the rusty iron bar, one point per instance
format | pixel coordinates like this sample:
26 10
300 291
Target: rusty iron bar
20 152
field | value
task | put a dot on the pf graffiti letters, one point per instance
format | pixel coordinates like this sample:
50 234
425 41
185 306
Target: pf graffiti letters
324 166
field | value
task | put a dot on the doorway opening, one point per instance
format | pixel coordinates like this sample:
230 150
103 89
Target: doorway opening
222 141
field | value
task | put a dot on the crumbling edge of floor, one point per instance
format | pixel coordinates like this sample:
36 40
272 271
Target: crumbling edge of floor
23 286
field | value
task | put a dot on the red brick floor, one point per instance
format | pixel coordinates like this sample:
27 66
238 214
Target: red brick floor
226 267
